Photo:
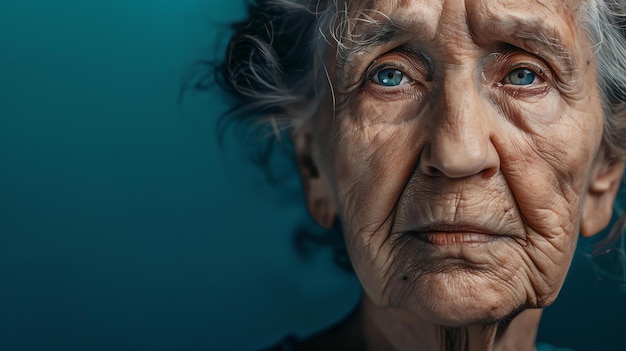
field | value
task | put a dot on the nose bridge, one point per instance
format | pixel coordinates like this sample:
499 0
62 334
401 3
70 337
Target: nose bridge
459 144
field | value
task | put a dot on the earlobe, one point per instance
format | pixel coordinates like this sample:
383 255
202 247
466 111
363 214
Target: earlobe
598 208
317 191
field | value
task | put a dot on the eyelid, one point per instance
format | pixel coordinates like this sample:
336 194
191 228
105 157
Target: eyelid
411 63
531 66
513 58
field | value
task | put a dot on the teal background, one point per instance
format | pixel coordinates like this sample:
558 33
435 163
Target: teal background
123 224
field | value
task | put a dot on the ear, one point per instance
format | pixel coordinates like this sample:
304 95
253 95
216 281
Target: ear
606 177
319 196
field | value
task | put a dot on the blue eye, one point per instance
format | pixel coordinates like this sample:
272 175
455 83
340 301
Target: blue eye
521 76
389 77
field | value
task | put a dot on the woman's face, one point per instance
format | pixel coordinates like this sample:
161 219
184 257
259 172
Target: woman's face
464 155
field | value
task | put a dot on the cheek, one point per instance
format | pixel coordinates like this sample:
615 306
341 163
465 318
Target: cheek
374 156
375 153
547 165
546 168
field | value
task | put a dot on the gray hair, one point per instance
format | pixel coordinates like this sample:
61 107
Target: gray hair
604 21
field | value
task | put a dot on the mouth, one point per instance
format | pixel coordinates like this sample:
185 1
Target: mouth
446 235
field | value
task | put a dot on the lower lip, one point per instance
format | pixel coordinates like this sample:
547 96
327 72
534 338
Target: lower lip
456 238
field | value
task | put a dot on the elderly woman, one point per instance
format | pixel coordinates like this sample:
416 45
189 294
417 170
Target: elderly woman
461 145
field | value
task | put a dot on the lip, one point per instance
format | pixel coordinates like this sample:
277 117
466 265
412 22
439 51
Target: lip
450 234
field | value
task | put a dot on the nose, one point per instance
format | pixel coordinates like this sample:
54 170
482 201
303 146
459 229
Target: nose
460 142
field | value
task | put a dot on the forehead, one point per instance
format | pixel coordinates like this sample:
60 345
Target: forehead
547 28
436 7
426 16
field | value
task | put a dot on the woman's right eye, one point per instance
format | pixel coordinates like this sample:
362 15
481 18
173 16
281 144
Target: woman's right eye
390 77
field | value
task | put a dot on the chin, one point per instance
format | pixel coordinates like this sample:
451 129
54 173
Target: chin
457 299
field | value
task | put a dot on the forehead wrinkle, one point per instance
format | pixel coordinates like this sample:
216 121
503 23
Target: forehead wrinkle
538 41
551 39
385 32
378 28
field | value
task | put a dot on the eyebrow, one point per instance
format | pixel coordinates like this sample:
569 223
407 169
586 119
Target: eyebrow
536 37
373 34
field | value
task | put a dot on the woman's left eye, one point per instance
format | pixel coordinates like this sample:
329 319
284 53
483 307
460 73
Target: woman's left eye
521 76
390 77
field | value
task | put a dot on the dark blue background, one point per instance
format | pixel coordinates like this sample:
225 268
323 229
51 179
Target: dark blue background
123 225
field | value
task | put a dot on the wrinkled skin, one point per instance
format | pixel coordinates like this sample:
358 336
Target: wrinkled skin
462 186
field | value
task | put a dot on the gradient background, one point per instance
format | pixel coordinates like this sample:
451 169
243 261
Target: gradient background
124 226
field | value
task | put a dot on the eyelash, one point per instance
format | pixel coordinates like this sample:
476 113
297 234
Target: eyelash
536 87
371 72
531 66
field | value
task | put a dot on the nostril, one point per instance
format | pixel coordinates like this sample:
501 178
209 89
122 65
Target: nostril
434 171
446 164
490 172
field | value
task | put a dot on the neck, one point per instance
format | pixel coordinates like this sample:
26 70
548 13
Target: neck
392 329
